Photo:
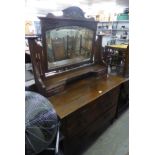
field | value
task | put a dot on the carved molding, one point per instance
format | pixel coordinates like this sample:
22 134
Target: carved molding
71 13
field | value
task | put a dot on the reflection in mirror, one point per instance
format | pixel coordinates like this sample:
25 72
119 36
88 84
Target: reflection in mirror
68 45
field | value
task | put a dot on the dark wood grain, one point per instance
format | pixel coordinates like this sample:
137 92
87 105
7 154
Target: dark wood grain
82 93
117 56
126 66
123 100
86 108
37 61
50 84
84 96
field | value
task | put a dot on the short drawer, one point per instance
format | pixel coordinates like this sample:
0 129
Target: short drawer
79 120
108 100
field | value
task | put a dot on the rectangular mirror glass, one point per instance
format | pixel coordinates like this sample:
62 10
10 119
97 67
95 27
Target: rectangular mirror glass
68 45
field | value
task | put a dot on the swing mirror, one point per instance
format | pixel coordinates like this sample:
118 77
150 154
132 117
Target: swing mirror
68 45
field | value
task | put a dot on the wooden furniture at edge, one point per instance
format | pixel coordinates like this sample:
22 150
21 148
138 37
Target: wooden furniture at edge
123 55
84 97
123 51
123 99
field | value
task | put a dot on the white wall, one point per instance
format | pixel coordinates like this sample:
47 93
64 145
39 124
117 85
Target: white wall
91 7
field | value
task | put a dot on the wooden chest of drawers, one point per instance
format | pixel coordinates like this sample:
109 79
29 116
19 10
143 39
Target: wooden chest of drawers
87 122
86 109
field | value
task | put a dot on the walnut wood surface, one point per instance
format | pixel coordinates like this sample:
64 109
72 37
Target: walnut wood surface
126 67
82 93
74 73
56 83
116 55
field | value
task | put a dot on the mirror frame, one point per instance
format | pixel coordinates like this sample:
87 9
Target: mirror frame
71 17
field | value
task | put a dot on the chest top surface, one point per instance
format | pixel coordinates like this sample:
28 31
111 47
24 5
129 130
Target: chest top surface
82 93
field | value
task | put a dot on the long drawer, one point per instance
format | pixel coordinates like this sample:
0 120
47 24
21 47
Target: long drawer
88 135
80 119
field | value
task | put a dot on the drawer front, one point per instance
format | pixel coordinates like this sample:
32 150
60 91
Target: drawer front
80 119
107 101
89 134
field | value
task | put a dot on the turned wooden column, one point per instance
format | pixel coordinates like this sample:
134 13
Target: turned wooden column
98 48
126 65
